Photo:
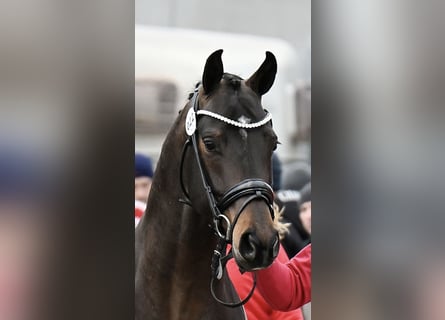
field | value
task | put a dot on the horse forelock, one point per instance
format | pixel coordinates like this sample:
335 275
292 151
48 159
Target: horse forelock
232 99
232 81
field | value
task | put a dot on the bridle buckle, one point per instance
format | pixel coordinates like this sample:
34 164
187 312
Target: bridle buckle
228 228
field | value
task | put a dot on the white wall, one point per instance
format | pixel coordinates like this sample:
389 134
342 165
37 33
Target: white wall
289 20
286 19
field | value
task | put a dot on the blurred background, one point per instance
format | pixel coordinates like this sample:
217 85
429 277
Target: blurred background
66 96
173 42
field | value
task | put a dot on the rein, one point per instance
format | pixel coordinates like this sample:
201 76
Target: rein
253 189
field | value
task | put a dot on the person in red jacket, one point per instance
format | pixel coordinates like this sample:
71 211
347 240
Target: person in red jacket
257 308
287 286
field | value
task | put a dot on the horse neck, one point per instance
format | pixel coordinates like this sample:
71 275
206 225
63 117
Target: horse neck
174 248
183 239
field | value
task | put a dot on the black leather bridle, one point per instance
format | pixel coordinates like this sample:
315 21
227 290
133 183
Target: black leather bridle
251 189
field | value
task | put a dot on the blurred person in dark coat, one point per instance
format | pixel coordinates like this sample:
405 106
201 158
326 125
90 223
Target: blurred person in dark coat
142 184
306 209
142 177
296 211
296 176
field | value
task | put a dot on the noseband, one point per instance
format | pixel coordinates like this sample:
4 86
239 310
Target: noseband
251 189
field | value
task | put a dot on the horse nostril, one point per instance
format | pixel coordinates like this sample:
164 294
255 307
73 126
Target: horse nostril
248 246
253 250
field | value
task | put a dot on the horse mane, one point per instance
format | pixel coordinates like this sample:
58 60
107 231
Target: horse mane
232 80
191 93
281 226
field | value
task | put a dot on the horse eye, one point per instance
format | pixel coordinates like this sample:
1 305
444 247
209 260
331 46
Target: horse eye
210 145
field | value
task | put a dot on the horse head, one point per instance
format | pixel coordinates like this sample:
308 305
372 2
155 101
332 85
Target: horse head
235 141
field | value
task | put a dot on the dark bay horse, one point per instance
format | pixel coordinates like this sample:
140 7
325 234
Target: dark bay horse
216 160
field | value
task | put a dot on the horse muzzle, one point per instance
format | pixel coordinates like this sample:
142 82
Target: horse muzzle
254 254
255 242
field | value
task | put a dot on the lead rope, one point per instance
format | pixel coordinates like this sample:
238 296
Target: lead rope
234 304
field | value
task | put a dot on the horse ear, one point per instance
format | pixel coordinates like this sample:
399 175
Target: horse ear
213 71
262 80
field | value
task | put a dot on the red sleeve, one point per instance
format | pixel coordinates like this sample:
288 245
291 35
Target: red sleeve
287 286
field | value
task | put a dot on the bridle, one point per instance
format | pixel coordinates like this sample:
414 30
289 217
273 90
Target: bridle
252 189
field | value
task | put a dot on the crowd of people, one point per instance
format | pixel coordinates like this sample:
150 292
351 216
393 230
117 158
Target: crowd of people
284 287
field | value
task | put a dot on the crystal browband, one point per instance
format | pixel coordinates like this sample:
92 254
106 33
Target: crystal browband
233 122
